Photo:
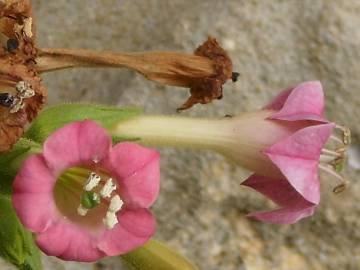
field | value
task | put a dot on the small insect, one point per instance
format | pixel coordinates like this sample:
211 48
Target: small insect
15 103
6 100
12 44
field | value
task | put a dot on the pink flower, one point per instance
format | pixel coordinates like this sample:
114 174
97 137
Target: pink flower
300 137
283 144
84 199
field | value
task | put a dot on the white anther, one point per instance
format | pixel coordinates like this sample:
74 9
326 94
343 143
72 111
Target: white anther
92 181
110 220
115 204
24 89
82 211
107 188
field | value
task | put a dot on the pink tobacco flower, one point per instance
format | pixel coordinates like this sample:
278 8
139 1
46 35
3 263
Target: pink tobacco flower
283 144
294 183
85 199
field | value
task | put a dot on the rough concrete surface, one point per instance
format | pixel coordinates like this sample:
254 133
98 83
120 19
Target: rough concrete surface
273 44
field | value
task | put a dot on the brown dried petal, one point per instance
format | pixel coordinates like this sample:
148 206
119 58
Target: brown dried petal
204 90
15 7
11 128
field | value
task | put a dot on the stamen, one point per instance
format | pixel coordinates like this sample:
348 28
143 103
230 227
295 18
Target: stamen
326 159
92 182
82 211
107 188
346 134
115 204
343 183
110 220
336 139
341 150
330 152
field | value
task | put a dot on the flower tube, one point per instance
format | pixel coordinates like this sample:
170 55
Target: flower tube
283 144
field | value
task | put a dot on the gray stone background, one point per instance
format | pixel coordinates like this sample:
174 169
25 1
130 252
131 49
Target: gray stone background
273 44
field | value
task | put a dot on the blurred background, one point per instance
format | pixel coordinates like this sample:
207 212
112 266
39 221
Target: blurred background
273 44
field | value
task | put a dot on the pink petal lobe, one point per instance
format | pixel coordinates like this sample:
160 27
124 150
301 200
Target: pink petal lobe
304 102
284 215
278 102
76 143
34 176
137 171
70 242
297 157
37 211
134 229
142 188
294 206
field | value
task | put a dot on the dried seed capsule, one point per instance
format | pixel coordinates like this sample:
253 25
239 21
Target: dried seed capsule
6 100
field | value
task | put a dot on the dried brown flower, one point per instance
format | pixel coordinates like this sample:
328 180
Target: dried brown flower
17 64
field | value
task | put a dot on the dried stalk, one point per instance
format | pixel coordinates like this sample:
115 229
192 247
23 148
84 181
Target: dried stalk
203 72
170 68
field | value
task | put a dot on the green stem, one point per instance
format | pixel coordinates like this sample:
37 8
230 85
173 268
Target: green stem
154 255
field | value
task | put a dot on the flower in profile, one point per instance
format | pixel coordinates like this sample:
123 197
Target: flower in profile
283 144
299 155
85 199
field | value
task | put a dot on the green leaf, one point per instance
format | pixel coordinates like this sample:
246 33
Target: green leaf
57 116
157 256
10 162
16 244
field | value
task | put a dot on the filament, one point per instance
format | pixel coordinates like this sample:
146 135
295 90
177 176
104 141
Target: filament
342 183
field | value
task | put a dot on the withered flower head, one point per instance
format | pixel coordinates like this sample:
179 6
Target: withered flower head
204 90
18 76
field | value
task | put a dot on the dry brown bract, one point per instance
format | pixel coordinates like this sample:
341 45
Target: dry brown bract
17 63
